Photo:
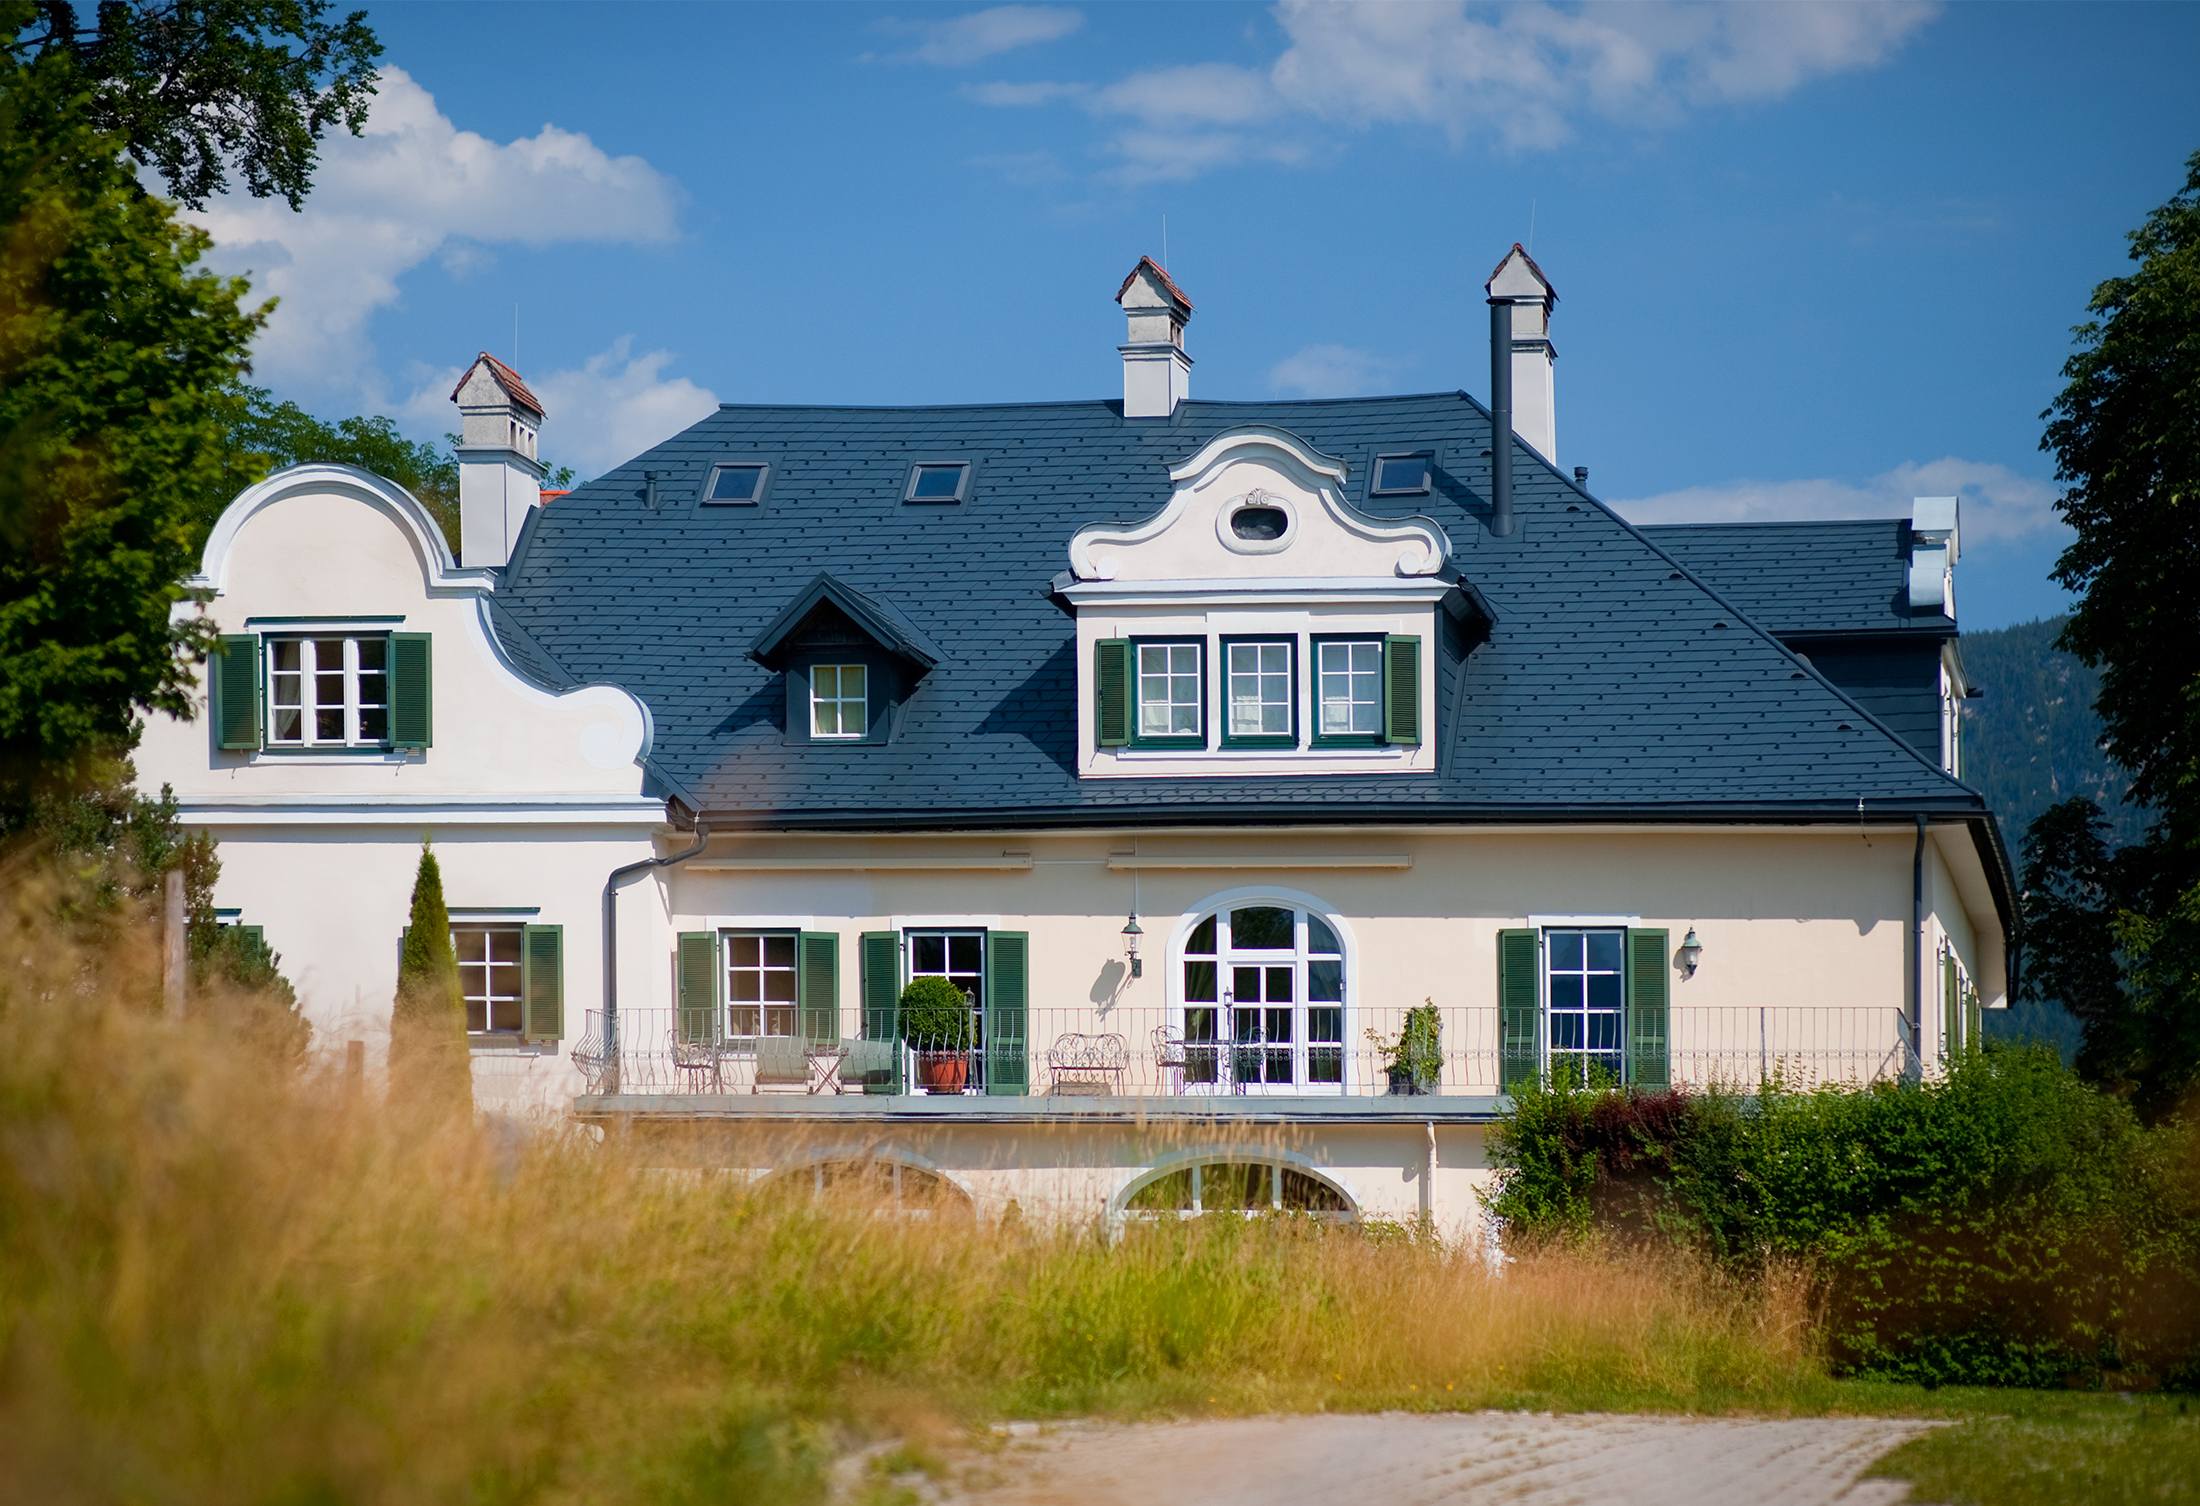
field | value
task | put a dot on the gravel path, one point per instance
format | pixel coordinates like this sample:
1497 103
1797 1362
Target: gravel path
1399 1459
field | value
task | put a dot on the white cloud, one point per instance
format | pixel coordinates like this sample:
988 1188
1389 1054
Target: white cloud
1333 371
1021 96
412 187
1998 503
614 407
967 39
1522 73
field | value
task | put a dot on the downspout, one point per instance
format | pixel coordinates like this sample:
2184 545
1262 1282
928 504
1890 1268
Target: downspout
1916 990
1501 418
611 947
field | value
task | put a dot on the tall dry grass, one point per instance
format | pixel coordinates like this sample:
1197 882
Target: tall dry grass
222 1283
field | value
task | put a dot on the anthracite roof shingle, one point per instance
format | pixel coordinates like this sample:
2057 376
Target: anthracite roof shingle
1798 578
1612 682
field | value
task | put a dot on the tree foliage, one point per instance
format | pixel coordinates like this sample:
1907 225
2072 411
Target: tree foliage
2115 933
118 363
190 87
270 435
2125 433
428 1055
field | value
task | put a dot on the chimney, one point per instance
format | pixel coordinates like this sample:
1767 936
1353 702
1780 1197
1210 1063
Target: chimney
499 478
1933 556
1520 284
1157 375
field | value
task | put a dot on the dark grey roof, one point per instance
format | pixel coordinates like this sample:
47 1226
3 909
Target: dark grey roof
888 627
519 645
1612 684
1798 578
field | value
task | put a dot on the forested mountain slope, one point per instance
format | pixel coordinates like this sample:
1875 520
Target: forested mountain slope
2033 740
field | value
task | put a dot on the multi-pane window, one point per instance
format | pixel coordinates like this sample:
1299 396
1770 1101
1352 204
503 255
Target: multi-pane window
1260 689
489 976
839 700
1168 690
1263 999
1351 688
760 983
328 692
1588 1001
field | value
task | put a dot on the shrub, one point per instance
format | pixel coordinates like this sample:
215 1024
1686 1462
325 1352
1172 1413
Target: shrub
2004 1224
935 1015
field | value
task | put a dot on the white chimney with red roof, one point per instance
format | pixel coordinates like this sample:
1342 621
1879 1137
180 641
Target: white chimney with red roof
499 476
1157 375
1521 283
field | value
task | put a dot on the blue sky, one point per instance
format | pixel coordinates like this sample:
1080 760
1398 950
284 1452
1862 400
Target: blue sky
1812 260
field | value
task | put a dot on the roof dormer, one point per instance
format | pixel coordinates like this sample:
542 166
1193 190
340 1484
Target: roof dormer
850 661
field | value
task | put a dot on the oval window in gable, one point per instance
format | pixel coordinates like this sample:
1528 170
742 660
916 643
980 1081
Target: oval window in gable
1260 524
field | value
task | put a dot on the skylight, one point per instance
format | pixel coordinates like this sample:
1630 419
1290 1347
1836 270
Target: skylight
735 484
938 481
1401 475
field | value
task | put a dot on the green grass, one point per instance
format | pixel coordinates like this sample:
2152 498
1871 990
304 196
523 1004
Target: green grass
2018 1448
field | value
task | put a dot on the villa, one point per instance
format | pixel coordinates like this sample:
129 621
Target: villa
1275 785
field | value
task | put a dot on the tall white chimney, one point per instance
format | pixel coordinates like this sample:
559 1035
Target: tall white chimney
1157 375
1518 281
499 476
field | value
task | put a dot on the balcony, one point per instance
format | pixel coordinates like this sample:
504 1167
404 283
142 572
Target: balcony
1143 1061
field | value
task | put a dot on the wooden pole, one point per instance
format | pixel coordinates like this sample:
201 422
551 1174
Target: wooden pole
172 971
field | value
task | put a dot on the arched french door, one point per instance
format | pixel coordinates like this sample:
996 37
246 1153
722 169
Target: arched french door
1261 979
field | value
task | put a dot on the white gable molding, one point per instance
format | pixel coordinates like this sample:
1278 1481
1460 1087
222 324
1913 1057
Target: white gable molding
1423 546
443 574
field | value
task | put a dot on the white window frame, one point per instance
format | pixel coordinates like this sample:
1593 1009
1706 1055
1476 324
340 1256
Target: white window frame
354 707
1583 925
1170 678
840 700
1322 698
765 1007
489 968
1260 674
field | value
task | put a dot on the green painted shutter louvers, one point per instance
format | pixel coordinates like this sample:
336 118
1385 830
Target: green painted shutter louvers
1007 1013
412 691
1402 690
1111 673
542 981
1520 1011
879 957
233 681
698 967
1649 991
819 986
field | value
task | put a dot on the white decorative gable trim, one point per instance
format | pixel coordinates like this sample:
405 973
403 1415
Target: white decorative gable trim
1266 469
443 574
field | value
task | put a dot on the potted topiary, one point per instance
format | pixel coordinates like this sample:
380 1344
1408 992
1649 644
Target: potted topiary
935 1021
1415 1060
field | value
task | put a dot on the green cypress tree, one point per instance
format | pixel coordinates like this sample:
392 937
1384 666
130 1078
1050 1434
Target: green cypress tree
428 1058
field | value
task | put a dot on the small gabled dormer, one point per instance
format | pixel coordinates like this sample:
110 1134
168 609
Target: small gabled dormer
850 662
1261 624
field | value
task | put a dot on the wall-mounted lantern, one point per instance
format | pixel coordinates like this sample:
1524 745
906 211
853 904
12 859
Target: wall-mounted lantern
1132 932
1691 953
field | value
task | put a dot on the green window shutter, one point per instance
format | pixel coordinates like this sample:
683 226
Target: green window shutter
412 691
1402 690
255 938
233 681
403 936
1649 990
879 956
1111 673
1951 1008
1520 1010
542 981
1974 1018
819 986
1007 1013
699 1018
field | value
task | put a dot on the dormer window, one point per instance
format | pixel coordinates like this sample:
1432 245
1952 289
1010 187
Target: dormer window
1402 475
938 481
735 484
1171 694
840 701
1351 690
